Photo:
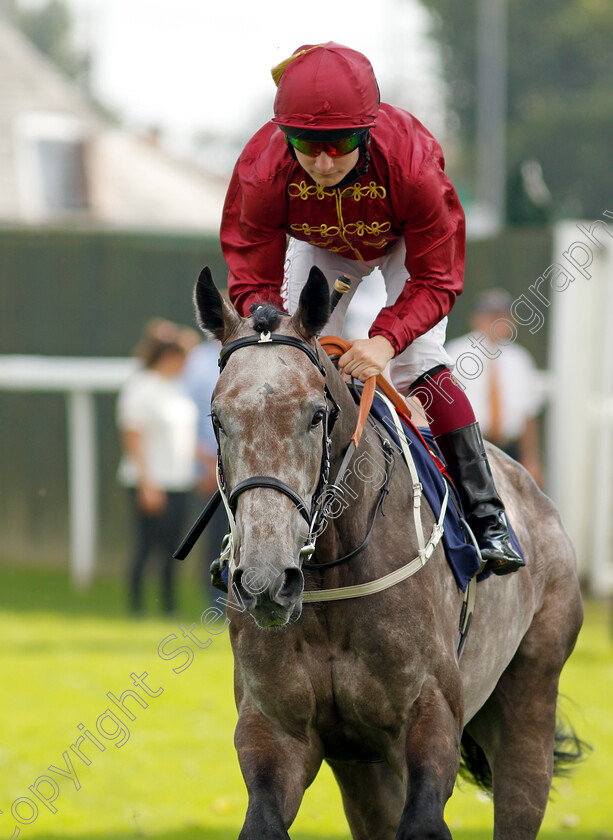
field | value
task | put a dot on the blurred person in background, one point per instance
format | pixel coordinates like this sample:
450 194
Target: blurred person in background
341 181
505 391
200 376
158 421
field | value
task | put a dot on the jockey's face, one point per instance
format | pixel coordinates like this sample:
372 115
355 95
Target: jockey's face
325 170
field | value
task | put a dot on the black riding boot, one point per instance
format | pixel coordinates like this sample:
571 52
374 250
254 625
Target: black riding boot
464 452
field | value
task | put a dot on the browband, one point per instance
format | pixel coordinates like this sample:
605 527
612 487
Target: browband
269 338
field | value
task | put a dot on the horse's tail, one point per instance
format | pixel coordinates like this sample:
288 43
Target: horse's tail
568 751
474 766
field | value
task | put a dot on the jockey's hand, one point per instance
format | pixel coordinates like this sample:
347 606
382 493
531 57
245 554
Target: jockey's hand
366 357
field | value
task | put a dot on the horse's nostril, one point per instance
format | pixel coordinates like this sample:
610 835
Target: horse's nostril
246 597
288 587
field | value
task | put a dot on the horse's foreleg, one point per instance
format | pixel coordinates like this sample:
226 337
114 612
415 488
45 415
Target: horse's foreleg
433 758
277 768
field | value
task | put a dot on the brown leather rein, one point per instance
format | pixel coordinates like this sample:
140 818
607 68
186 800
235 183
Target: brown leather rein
334 345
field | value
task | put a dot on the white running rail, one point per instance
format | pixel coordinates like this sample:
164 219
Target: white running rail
78 379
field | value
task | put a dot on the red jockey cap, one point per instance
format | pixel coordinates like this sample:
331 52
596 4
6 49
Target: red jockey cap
327 87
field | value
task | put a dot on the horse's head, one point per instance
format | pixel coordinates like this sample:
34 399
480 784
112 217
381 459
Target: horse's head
270 412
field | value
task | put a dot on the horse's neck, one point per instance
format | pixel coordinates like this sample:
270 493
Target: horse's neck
346 528
348 416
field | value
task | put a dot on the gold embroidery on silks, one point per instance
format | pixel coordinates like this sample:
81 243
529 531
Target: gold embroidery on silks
304 191
355 191
358 192
341 221
353 229
382 243
361 228
323 230
335 249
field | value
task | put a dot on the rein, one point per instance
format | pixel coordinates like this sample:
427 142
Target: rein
390 462
333 344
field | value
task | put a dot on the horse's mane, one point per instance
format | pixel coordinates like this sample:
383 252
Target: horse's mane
265 317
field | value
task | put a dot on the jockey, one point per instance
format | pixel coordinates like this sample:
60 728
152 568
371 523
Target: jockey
343 182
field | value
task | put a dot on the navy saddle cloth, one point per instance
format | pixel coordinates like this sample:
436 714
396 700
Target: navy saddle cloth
462 556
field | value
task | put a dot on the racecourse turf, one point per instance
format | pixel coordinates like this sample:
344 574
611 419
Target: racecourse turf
171 772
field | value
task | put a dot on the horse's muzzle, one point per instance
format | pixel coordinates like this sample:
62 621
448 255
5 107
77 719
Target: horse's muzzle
272 599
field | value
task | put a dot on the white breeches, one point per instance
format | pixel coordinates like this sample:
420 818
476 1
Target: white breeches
423 353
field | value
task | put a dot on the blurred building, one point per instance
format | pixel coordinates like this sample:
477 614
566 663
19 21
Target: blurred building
60 160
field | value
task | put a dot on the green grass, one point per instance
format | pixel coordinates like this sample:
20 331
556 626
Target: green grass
177 777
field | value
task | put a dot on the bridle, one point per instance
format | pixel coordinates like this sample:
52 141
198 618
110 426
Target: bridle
326 493
315 512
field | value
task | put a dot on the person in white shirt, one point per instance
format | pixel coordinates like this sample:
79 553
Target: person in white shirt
501 380
158 421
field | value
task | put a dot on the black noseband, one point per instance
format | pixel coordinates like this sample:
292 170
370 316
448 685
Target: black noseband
275 484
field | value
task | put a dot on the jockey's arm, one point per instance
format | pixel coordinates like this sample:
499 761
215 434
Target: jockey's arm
434 235
253 235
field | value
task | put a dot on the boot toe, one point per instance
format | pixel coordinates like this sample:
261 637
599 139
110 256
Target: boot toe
501 561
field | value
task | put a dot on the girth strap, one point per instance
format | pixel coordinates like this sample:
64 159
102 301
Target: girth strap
274 484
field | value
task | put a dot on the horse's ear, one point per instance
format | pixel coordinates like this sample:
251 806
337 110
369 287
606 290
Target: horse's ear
214 314
314 304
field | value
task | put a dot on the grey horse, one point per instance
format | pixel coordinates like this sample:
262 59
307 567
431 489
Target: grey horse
373 685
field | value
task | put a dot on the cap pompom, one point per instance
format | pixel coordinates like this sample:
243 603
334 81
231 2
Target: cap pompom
280 68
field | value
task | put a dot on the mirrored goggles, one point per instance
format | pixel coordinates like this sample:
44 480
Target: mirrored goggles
333 148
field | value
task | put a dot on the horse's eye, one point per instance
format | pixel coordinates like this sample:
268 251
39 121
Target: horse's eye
317 418
215 422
